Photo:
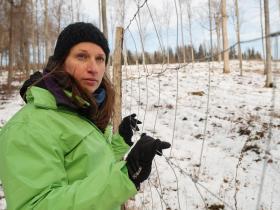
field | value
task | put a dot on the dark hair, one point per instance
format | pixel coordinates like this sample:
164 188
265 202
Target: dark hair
100 115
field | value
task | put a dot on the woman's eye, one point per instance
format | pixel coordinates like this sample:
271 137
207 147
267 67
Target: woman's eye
82 56
100 59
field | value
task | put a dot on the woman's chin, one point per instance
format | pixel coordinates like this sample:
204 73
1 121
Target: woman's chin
91 89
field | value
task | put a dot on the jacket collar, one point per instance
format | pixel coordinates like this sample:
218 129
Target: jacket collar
41 97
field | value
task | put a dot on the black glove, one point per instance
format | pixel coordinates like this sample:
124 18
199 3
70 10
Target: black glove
139 159
127 126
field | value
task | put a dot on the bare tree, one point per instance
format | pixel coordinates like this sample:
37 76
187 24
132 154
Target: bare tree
4 31
142 29
262 33
46 30
38 35
24 42
210 30
166 23
182 32
225 37
189 11
218 33
11 53
237 29
216 11
72 11
33 34
104 18
79 10
268 82
100 13
58 14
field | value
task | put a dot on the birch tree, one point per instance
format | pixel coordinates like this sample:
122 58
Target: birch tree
210 30
216 12
262 33
182 32
268 81
237 29
189 11
217 18
225 37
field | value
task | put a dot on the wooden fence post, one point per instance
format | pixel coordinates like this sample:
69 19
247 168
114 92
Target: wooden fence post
117 78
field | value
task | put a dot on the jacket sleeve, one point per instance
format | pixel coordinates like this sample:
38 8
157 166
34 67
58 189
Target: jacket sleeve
120 148
33 175
118 145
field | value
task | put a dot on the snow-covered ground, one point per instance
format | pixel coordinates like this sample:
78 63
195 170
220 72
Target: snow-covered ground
224 130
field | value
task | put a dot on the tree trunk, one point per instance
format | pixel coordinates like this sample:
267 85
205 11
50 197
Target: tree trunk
46 31
33 35
190 28
79 10
72 11
182 32
238 36
59 13
268 82
218 32
263 48
11 53
100 13
225 37
104 18
38 38
210 31
25 43
141 39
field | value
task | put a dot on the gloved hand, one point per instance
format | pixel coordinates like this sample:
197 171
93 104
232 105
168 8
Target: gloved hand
127 126
139 159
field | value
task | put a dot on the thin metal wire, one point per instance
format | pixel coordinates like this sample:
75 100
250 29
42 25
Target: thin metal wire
177 83
147 92
136 13
180 66
151 194
200 194
268 142
160 44
161 197
177 182
206 117
177 68
194 180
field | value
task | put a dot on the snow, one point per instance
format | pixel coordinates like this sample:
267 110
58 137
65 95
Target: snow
220 161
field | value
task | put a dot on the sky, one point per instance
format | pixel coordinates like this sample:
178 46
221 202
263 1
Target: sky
249 19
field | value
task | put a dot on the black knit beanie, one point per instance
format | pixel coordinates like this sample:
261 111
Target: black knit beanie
76 33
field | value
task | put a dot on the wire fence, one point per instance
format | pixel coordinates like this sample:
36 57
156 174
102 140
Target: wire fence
155 93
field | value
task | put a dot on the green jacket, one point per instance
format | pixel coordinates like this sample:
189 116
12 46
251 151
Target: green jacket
54 159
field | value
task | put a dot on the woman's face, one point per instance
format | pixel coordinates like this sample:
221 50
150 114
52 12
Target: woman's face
86 63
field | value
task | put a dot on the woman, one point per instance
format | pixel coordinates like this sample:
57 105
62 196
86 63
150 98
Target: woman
58 151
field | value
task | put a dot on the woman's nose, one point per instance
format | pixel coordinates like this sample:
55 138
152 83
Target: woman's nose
92 66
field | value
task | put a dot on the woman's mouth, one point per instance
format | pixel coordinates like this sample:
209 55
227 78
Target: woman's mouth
90 81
